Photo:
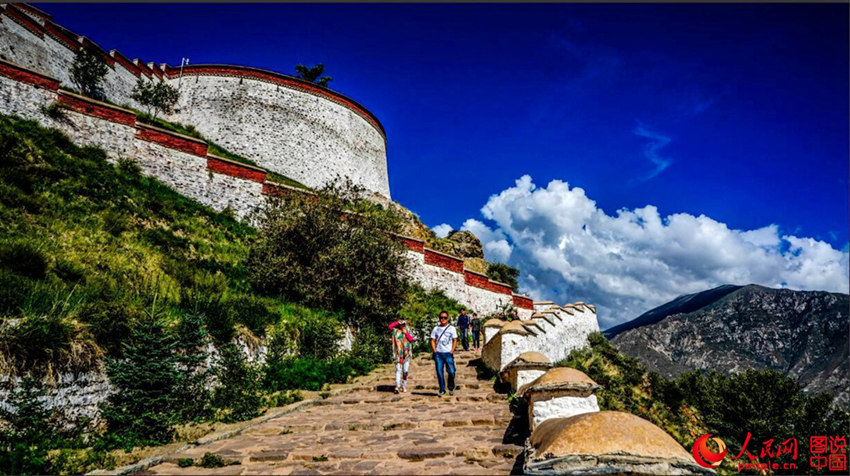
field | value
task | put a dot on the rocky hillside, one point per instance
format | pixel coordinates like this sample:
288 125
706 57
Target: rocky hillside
802 334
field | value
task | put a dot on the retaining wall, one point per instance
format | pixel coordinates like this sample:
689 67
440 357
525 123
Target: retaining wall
285 124
555 333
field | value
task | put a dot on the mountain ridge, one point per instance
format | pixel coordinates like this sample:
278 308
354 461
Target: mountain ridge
802 334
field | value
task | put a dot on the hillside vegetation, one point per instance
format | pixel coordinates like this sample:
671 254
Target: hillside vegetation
764 403
102 267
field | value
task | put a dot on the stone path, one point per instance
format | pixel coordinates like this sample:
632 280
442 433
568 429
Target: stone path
374 431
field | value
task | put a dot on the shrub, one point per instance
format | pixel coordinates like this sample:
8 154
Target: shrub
129 167
211 460
372 344
88 71
56 111
111 322
318 335
313 74
192 390
311 251
185 462
69 271
308 373
239 395
51 342
252 312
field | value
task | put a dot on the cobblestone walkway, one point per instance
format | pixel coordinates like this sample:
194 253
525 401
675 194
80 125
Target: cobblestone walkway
374 431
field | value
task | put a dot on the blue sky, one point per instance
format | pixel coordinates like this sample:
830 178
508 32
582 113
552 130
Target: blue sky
735 112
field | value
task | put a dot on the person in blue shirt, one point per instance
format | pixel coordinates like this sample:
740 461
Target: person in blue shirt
463 324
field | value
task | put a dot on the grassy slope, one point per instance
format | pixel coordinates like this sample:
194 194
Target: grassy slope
84 245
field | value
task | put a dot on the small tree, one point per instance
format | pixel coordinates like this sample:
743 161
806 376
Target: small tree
88 72
144 406
503 273
313 74
157 96
26 434
192 390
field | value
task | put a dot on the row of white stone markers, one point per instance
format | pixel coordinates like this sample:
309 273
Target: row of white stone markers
569 434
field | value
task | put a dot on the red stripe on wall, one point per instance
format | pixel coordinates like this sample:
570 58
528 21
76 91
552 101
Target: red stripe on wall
94 108
523 302
171 140
24 75
235 169
474 279
24 20
443 261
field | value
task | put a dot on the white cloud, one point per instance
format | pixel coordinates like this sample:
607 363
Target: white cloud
570 250
443 230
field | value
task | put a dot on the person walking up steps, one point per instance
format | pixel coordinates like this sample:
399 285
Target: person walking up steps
443 343
402 353
475 325
463 323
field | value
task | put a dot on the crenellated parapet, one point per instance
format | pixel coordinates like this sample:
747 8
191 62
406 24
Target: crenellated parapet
551 330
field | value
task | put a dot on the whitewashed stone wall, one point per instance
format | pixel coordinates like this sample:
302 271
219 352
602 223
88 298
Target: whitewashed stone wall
117 140
77 396
526 376
297 134
454 286
436 278
50 57
24 100
294 133
189 175
45 55
560 407
483 301
555 340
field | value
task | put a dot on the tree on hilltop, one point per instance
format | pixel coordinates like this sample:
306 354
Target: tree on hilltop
313 74
157 96
88 72
504 274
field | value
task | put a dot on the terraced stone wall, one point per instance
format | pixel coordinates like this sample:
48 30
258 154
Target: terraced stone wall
287 125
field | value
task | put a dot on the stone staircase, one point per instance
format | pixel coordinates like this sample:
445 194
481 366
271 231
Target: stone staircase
374 431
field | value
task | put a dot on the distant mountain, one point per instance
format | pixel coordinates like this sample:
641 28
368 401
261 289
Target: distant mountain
680 305
803 334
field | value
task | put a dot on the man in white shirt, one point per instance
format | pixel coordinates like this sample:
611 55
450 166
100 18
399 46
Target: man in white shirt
443 344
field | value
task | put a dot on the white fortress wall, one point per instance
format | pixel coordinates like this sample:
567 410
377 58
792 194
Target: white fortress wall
295 133
282 123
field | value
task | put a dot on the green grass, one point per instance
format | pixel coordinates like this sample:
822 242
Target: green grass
85 244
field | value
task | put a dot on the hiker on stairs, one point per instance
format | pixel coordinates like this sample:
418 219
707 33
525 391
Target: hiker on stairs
443 343
402 353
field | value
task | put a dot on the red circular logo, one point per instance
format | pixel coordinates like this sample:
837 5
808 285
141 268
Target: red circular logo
704 456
